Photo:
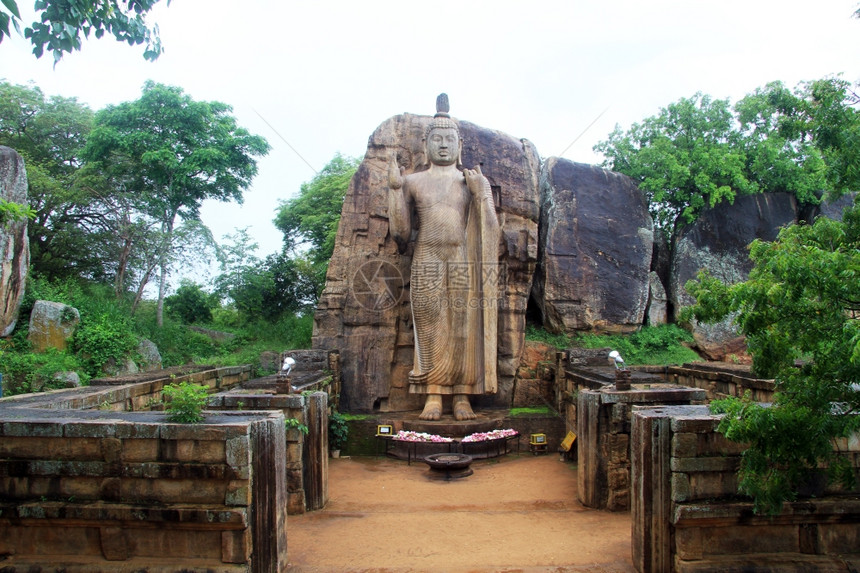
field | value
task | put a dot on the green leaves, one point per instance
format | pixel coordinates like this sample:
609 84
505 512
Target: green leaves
185 402
313 216
800 312
62 21
698 152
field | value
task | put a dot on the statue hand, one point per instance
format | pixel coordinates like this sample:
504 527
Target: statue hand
395 173
475 181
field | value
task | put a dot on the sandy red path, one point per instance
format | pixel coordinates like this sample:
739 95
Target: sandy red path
517 513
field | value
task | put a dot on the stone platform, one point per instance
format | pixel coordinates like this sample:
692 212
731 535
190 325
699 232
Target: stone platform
449 427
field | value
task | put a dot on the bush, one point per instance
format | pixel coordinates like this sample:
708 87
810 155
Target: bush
185 402
338 430
101 338
651 345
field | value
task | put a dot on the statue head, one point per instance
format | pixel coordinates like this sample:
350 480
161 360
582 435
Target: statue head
442 139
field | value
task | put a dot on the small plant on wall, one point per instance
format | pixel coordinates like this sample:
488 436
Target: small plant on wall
338 431
185 402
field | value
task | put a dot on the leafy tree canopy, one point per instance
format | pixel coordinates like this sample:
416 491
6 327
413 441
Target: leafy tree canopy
61 23
800 305
700 151
171 153
312 217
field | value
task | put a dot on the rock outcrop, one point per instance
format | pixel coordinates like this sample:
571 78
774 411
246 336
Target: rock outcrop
718 242
14 244
364 311
52 324
596 242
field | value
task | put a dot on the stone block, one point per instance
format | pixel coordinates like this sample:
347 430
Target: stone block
111 450
296 502
688 543
705 464
761 538
681 490
238 493
238 452
32 429
235 546
619 448
195 451
115 546
712 484
90 429
139 450
685 445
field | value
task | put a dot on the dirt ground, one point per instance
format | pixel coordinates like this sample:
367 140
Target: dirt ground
518 513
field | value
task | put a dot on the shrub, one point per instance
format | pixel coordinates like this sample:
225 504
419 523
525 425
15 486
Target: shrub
338 430
186 401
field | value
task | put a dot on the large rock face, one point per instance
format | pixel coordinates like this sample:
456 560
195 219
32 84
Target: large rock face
718 242
364 311
14 244
596 241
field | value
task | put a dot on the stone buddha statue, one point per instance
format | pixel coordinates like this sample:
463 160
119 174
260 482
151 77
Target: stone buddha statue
454 273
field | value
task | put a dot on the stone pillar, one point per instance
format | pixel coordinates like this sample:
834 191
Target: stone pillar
315 451
650 453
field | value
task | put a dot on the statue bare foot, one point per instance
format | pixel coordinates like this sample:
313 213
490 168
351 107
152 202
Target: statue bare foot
462 408
432 408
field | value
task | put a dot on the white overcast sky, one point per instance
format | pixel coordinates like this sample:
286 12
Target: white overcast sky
326 74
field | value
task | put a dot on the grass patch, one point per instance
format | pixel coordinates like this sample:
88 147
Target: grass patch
538 334
357 417
662 344
530 411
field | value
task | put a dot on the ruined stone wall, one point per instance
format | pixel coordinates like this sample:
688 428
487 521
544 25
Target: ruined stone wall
718 380
687 516
91 480
107 492
603 426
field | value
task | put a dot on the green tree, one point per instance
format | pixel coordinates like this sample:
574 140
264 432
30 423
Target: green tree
190 303
684 158
801 304
311 219
61 23
171 153
49 133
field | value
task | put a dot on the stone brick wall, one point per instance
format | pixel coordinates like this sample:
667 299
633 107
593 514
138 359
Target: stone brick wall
688 517
603 428
139 494
90 480
719 380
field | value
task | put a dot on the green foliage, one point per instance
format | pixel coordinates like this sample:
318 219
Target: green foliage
338 430
684 159
538 334
788 443
185 402
11 212
313 216
663 344
101 338
171 153
26 372
699 152
295 424
190 303
61 23
801 303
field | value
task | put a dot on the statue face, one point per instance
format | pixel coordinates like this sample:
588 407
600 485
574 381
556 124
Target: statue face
443 146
